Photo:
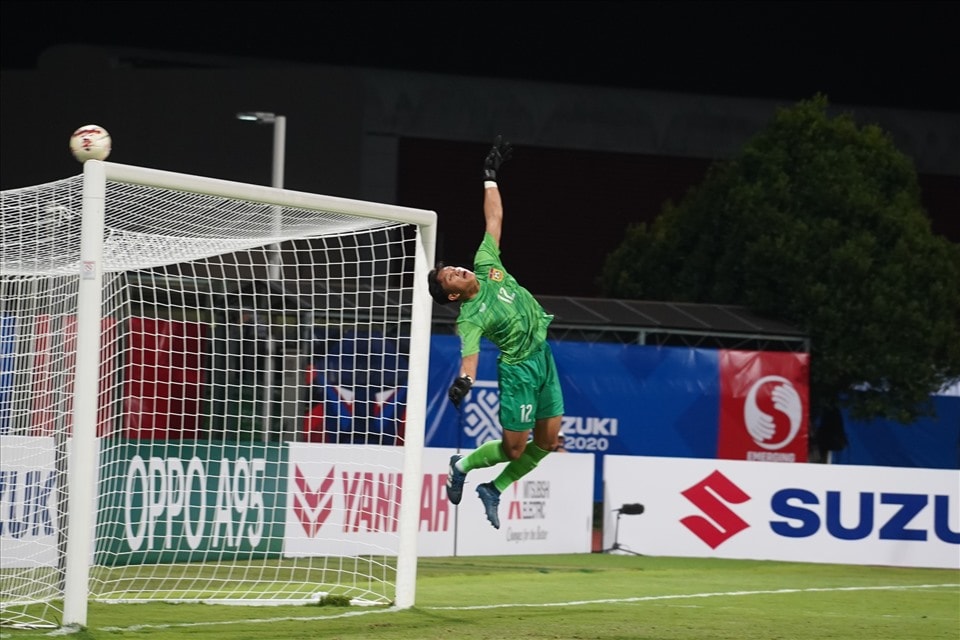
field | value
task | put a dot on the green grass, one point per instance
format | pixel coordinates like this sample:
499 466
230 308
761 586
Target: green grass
590 597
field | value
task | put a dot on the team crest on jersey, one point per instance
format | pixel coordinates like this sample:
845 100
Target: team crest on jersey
495 274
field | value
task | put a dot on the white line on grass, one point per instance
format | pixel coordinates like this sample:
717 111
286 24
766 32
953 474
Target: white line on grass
180 625
678 596
683 596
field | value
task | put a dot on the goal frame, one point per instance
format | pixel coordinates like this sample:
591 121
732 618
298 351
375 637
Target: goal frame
91 266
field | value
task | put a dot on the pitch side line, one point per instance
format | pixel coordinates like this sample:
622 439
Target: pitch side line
685 596
679 596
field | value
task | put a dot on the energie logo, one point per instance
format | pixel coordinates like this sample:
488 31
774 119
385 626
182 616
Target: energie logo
785 400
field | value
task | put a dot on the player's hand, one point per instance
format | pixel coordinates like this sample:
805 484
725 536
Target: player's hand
499 153
459 390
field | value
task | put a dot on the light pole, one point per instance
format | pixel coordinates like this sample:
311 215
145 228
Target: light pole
273 268
279 151
279 139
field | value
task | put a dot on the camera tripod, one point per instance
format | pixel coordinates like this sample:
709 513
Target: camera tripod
630 510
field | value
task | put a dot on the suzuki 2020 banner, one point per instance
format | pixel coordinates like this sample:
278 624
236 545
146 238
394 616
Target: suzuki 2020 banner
642 400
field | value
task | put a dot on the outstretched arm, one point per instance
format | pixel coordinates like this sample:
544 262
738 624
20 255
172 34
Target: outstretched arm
499 153
493 210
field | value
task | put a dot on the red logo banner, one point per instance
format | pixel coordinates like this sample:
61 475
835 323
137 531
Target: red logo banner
764 406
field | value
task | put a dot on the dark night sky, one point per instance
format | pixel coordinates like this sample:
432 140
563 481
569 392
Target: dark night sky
892 54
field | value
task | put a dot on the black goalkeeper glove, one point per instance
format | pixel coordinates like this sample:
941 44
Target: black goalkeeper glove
459 390
499 153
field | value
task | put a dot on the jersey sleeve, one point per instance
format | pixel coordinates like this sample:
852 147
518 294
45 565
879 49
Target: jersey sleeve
470 330
470 335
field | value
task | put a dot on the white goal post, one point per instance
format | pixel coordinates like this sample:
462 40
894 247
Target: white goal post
209 392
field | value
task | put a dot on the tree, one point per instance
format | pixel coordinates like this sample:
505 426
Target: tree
816 222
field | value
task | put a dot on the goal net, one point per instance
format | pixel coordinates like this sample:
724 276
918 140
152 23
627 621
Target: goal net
209 392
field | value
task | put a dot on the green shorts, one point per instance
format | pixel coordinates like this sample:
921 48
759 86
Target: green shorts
529 390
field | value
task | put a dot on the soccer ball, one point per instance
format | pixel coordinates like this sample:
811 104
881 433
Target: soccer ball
90 142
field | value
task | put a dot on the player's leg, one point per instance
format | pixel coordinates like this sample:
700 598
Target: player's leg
492 452
517 409
486 455
517 417
536 394
532 453
530 456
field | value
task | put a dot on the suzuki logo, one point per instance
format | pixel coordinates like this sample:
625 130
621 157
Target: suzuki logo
312 507
711 495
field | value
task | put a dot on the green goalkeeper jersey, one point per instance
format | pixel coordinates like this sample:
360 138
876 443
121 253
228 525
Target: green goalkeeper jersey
503 312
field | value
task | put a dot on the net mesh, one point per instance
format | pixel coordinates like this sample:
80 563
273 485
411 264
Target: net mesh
251 398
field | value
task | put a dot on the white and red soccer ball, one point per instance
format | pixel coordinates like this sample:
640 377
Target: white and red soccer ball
90 142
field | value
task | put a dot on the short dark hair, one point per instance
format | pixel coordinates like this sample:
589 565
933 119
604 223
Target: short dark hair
436 289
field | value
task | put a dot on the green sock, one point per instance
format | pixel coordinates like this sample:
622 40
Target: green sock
486 455
527 462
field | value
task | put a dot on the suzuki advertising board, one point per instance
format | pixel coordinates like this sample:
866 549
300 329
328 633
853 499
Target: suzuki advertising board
28 512
799 513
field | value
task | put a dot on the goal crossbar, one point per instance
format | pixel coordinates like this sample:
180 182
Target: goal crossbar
264 194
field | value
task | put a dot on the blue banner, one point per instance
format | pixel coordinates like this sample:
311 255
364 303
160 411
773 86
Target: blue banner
931 442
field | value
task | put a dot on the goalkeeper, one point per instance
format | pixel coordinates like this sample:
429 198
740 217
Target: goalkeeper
493 305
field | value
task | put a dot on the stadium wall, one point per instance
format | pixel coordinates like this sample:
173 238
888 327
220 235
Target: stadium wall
412 139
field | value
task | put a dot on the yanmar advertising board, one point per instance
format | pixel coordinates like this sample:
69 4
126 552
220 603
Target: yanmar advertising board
800 513
345 500
337 505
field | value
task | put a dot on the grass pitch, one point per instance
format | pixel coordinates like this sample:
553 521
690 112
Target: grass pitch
588 597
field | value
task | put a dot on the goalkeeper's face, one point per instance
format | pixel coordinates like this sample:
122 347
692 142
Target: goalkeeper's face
458 281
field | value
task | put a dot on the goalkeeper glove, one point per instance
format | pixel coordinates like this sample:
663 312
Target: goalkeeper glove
499 153
459 390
